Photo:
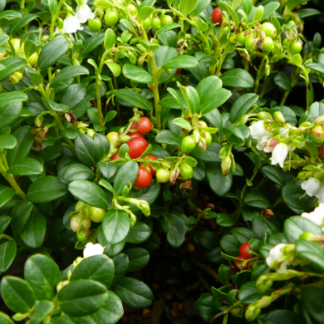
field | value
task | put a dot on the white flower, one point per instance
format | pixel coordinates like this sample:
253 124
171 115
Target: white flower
261 142
92 249
317 216
84 13
275 254
270 145
258 130
311 186
279 154
71 25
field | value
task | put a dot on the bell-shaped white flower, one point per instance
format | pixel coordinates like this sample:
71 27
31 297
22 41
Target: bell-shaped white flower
71 24
311 186
258 130
261 142
92 249
270 145
84 13
317 216
279 154
275 254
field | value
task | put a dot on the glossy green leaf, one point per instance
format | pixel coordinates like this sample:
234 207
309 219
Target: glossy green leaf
237 78
134 98
168 137
87 150
89 193
125 175
34 231
121 262
92 43
98 268
19 217
82 297
78 172
12 64
137 74
67 73
182 61
9 113
139 233
43 274
52 52
6 194
8 252
27 166
219 184
115 225
138 258
242 105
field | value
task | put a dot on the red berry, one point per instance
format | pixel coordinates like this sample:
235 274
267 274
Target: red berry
217 16
244 248
136 134
137 147
144 178
211 206
179 71
144 125
152 158
115 157
134 126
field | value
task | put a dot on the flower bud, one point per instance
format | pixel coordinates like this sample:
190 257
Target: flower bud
226 165
144 207
91 132
196 136
202 144
279 117
38 121
264 283
141 48
297 60
32 60
80 205
15 78
132 220
168 71
308 236
252 312
320 120
320 175
317 135
124 139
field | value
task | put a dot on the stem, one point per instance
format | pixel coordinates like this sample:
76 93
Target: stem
293 82
54 19
155 87
260 70
99 107
61 127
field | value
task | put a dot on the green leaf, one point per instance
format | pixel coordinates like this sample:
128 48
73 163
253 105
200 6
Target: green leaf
134 98
36 77
19 217
116 225
89 193
56 106
282 80
137 74
149 194
291 4
182 123
230 245
98 268
53 6
7 98
174 226
181 61
8 252
273 174
269 9
225 220
312 300
6 194
115 68
308 12
296 225
87 150
187 6
145 12
7 142
110 39
92 43
43 274
12 64
42 309
247 6
78 172
128 25
161 56
4 223
125 175
67 73
139 233
46 189
34 231
242 105
237 135
168 137
134 293
52 52
311 252
200 7
21 23
17 294
107 169
27 166
294 197
5 319
248 293
166 28
210 155
214 101
22 149
228 8
121 262
138 258
220 184
257 199
9 114
206 307
110 313
237 78
82 297
10 14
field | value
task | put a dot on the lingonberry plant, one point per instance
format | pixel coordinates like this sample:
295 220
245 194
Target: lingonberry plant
123 127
